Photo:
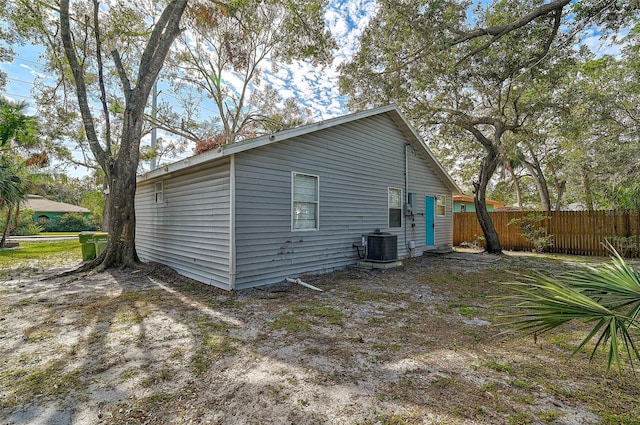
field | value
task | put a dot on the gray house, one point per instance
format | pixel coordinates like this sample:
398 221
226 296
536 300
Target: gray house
295 202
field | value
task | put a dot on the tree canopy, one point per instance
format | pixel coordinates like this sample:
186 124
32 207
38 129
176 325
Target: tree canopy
222 55
108 56
482 83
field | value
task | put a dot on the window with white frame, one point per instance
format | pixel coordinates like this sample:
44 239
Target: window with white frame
304 202
441 205
159 192
395 207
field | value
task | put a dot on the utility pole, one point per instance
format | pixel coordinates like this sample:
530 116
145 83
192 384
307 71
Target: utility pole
154 110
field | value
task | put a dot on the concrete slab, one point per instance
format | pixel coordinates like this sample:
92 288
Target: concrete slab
374 265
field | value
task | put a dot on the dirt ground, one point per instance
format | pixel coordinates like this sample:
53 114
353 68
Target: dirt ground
414 345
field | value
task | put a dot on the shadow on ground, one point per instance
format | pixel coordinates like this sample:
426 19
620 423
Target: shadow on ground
407 346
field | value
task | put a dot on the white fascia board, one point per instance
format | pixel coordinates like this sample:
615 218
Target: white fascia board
180 165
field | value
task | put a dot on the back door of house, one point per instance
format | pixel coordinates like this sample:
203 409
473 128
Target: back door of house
430 224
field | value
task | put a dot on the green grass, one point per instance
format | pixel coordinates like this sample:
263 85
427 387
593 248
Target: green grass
45 234
45 252
498 367
290 323
325 313
51 380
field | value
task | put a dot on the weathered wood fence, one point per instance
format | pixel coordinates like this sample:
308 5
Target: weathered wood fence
574 232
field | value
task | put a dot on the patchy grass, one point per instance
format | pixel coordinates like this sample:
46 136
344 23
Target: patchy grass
319 311
290 323
376 347
41 254
53 379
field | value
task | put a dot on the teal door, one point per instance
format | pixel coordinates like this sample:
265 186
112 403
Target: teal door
429 217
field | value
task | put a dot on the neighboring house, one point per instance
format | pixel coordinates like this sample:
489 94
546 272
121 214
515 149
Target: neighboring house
45 209
295 202
464 203
576 206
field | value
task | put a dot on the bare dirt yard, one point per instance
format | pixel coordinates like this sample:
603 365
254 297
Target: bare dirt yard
415 345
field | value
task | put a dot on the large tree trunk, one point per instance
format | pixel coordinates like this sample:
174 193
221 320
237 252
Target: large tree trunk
586 186
488 167
516 185
121 250
121 212
121 164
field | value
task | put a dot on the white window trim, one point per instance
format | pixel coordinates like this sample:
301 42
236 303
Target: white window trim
158 199
444 201
317 202
389 207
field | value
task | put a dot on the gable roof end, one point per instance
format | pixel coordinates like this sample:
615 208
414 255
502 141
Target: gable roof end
40 204
245 145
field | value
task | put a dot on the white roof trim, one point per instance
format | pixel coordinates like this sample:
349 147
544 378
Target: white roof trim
234 148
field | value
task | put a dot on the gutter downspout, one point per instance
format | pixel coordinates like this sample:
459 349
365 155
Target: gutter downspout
406 194
232 222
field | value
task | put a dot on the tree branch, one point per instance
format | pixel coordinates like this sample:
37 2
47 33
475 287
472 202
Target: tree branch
103 91
122 74
498 31
78 77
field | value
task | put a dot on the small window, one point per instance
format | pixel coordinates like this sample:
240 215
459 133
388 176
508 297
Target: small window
395 207
441 202
463 208
159 192
304 202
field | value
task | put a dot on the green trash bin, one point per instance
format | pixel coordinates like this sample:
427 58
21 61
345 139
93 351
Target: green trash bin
101 240
88 245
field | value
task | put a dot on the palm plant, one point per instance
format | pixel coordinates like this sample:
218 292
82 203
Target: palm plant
12 193
607 296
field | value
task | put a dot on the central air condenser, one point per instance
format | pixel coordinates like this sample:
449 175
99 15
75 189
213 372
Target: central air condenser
382 247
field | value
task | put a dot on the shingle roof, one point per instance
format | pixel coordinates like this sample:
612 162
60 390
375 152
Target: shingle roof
41 204
233 148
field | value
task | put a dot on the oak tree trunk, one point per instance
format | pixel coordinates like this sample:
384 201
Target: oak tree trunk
489 164
541 185
121 214
120 164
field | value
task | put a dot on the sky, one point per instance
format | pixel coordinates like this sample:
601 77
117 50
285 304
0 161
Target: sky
314 88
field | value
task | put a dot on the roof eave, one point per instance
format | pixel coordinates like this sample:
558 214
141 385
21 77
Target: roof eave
233 148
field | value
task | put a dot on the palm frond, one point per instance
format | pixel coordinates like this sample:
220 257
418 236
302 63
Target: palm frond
608 295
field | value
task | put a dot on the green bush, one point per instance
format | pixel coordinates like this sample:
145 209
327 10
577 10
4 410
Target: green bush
70 222
29 229
533 232
24 225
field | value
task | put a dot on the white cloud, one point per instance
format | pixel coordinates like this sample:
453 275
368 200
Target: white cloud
604 44
317 87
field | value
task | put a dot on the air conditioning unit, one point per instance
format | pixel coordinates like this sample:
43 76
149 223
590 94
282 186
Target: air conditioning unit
382 247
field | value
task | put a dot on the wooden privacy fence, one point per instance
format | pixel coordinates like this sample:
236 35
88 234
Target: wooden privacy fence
574 232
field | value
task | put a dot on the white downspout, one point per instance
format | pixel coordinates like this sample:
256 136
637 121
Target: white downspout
406 194
232 223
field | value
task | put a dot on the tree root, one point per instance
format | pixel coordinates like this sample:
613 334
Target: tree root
95 266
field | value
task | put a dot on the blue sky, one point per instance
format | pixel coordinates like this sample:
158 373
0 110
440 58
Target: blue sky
315 88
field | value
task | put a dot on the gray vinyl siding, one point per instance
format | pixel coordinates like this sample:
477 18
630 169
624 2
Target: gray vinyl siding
423 181
189 230
356 163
